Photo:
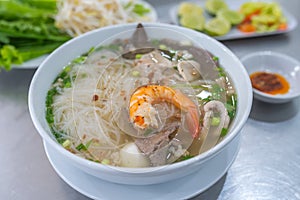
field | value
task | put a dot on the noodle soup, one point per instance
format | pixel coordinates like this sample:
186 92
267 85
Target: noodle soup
141 103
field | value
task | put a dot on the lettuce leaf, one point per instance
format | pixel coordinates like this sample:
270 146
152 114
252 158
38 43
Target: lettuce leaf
8 56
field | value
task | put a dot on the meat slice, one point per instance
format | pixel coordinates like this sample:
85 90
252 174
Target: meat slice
162 147
151 144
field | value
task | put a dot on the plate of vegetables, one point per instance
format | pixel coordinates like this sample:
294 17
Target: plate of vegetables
227 20
30 29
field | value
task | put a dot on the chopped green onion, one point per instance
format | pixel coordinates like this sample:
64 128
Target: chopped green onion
88 143
186 157
224 132
215 58
162 46
135 73
138 56
216 92
215 121
105 161
66 144
68 85
79 60
92 49
81 147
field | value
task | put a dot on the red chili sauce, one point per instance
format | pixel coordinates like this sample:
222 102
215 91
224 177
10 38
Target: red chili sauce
271 83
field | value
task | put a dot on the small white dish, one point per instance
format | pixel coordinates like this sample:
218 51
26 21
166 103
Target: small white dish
273 62
95 188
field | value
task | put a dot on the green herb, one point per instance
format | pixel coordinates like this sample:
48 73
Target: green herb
223 132
87 145
79 60
58 135
9 55
215 58
163 47
221 72
91 50
139 9
49 109
135 73
67 144
68 85
231 106
105 162
16 9
186 157
138 56
49 116
81 147
217 92
215 121
175 67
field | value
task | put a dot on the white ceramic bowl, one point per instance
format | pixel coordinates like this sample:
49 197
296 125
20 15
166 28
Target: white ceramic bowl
213 163
273 62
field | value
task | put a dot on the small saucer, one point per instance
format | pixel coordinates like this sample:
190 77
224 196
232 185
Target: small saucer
272 62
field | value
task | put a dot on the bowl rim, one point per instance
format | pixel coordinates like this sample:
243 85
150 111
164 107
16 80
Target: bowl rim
197 159
265 96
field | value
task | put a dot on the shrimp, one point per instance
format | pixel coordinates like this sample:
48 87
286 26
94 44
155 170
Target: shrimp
142 113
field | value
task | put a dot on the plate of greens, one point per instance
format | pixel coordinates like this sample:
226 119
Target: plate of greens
30 29
27 31
227 20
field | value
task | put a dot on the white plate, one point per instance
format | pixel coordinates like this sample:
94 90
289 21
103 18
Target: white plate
96 188
234 32
34 63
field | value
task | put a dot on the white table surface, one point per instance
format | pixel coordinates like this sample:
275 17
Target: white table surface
267 166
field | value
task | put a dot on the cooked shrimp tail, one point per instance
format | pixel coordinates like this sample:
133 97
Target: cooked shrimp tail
142 113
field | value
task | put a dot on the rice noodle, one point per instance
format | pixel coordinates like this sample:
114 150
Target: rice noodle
83 119
93 110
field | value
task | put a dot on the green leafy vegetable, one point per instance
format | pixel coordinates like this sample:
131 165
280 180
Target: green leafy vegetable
13 9
9 55
27 31
140 9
